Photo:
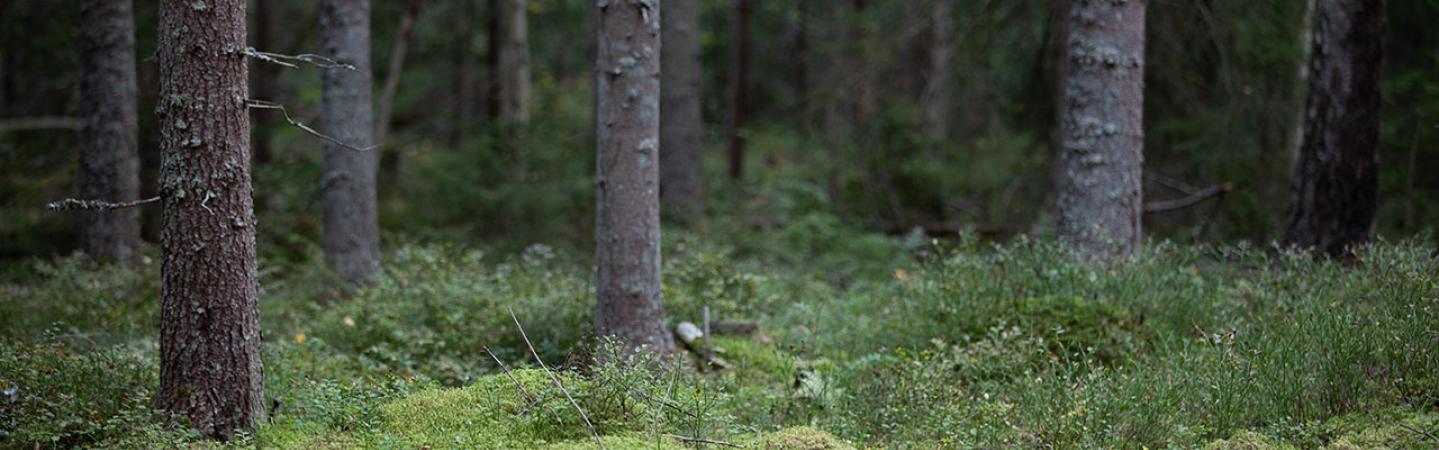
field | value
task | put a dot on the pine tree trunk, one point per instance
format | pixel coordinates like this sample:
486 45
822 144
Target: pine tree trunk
738 88
109 151
352 231
1335 191
941 56
209 329
513 59
629 306
1102 156
681 123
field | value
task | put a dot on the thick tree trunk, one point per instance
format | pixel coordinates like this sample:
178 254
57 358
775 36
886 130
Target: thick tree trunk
738 88
352 231
263 80
1102 157
109 152
629 304
209 328
1336 181
681 122
513 59
941 56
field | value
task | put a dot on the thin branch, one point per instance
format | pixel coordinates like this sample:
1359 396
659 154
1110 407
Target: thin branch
41 123
71 204
506 368
696 440
309 58
1419 431
556 381
261 104
1190 200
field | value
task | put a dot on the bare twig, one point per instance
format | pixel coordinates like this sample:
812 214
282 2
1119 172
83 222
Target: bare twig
556 380
696 440
261 104
309 58
506 368
1420 432
1190 200
40 123
71 204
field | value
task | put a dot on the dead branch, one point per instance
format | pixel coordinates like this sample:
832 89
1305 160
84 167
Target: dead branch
506 368
1420 432
695 440
308 58
1190 200
41 123
556 380
261 104
71 204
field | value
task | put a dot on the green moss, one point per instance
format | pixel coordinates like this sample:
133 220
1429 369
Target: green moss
801 438
1079 325
1247 440
1391 428
629 441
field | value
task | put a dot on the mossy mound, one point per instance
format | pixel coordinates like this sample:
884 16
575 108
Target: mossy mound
494 413
629 441
756 362
801 438
1248 440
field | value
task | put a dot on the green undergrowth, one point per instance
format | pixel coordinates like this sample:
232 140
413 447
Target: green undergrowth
917 344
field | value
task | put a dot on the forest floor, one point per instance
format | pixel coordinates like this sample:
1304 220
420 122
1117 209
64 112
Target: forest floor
864 341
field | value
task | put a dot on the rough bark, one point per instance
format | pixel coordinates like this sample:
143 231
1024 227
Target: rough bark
941 57
263 81
1336 181
109 152
209 329
738 87
681 122
1102 153
513 59
629 306
352 230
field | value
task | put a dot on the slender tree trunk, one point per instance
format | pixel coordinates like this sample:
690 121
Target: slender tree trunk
467 76
513 57
630 306
738 88
109 151
352 230
1301 88
681 122
263 79
801 53
941 56
209 328
1336 182
391 157
1102 158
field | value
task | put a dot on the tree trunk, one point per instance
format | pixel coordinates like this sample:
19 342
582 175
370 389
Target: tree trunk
391 157
109 149
513 59
1296 130
681 123
263 79
1336 181
467 75
941 56
738 88
629 303
352 230
1102 158
209 329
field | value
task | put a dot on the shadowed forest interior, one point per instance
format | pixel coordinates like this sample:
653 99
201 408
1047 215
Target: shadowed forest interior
790 224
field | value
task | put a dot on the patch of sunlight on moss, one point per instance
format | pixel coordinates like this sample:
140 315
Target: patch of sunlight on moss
756 362
1390 428
491 413
1248 440
801 438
